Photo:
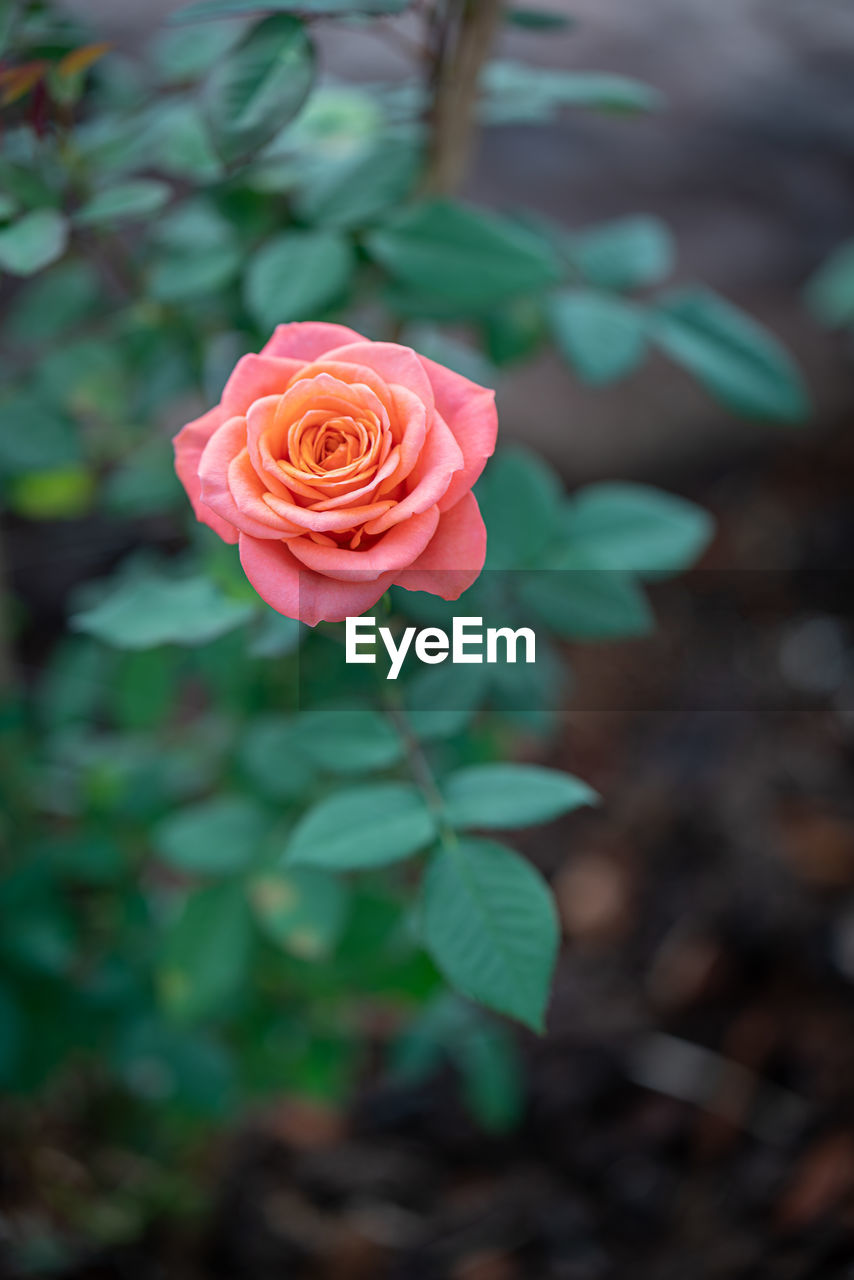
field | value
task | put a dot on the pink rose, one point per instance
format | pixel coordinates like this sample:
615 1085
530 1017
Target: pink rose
342 466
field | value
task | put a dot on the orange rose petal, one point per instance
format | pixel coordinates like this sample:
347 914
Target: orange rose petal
351 374
338 521
250 498
393 363
273 419
229 495
255 377
454 557
403 544
189 445
388 469
295 591
363 444
259 418
469 410
412 415
333 493
307 339
440 458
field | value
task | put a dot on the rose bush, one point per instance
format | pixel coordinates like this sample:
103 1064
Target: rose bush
342 466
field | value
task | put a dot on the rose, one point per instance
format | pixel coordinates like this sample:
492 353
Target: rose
342 466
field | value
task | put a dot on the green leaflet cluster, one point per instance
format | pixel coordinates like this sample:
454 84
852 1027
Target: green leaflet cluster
575 566
483 912
217 187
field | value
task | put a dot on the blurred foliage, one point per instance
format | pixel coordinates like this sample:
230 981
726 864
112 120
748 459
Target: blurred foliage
206 893
830 292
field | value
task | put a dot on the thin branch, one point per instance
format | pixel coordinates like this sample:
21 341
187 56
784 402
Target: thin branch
421 772
465 38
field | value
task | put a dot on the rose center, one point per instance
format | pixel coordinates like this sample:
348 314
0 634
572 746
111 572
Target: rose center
333 451
329 445
331 448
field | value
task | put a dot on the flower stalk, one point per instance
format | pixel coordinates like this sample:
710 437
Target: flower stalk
465 31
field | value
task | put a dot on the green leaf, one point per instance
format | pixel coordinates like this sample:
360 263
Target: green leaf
296 274
197 252
125 201
515 331
349 741
23 182
179 140
275 635
426 1040
490 924
302 910
260 86
148 610
34 436
53 303
204 953
41 937
451 1029
538 19
179 277
519 496
213 837
464 256
511 795
194 224
604 91
143 694
518 92
58 493
339 120
145 482
635 528
830 291
274 757
118 141
628 253
163 1063
432 342
738 362
87 375
73 685
587 604
492 1077
33 242
367 826
357 190
207 9
89 857
186 55
442 700
529 696
601 337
